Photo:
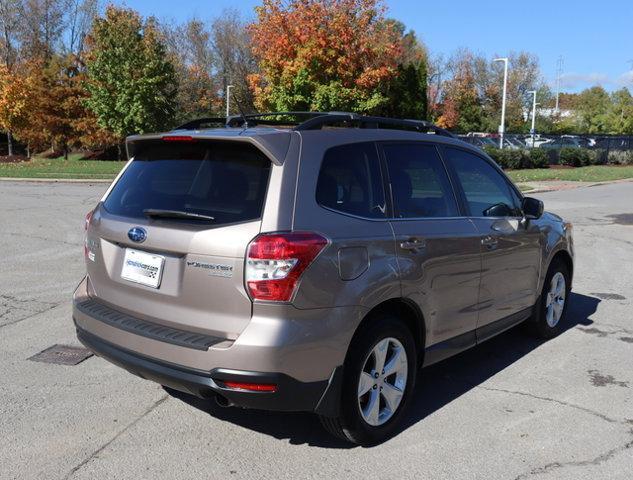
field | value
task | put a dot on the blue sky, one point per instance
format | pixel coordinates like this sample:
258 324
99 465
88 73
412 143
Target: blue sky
595 39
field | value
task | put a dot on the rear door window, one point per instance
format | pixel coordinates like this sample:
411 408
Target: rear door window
350 181
419 183
223 180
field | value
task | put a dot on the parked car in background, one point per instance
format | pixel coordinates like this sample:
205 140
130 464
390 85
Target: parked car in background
481 142
313 268
564 142
514 143
538 141
584 142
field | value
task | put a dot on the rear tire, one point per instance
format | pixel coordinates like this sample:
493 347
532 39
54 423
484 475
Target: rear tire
551 308
378 381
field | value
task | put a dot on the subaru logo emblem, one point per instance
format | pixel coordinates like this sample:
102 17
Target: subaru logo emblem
137 234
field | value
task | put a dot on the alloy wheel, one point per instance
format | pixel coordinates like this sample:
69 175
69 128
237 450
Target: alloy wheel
382 381
555 301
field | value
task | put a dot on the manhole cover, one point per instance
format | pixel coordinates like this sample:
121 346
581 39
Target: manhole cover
62 355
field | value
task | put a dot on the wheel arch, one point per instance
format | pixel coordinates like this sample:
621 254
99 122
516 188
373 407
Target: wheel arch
329 404
563 256
406 310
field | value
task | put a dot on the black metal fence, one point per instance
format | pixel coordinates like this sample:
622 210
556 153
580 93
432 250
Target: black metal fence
615 149
604 142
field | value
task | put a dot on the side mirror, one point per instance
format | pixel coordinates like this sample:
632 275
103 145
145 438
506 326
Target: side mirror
532 208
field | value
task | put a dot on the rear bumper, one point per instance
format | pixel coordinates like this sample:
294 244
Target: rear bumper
290 395
299 351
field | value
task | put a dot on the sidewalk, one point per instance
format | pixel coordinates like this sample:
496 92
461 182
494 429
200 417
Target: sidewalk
556 185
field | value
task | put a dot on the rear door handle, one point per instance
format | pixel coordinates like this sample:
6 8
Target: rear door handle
413 244
490 242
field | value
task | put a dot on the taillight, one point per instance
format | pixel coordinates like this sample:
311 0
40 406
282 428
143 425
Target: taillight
87 253
275 262
88 218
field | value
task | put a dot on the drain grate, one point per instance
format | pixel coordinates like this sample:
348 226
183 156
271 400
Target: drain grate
62 355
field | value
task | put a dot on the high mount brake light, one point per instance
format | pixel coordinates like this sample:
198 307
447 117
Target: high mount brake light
276 261
178 138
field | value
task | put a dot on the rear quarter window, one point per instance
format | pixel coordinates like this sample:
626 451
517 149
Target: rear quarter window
224 180
350 181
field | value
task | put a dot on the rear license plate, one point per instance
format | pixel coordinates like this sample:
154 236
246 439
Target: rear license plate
142 267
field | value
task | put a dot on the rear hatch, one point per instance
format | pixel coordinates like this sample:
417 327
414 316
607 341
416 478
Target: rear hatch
168 242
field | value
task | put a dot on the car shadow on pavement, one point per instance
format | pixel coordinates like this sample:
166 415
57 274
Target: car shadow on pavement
437 385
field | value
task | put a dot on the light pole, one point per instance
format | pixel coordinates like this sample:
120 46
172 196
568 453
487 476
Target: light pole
502 127
228 99
533 130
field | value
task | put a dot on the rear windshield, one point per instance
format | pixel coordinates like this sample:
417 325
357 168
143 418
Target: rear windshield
223 180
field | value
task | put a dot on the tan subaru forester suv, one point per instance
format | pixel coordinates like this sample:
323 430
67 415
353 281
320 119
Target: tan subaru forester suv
314 264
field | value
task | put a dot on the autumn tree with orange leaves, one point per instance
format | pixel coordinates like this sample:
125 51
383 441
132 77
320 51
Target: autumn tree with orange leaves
15 102
58 118
462 109
324 55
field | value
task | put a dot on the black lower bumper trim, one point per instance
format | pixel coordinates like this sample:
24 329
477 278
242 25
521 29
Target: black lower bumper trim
291 394
121 320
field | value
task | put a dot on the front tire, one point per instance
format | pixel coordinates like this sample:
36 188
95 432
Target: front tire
378 380
550 310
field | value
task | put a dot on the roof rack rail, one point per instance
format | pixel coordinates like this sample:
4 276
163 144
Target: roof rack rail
250 120
372 122
271 118
315 121
199 122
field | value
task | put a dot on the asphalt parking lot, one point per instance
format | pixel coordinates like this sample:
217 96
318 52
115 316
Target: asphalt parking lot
513 408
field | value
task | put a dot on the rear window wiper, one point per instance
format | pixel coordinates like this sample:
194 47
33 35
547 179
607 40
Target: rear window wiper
158 213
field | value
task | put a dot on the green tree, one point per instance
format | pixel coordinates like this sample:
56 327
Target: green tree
407 90
565 121
407 93
462 106
620 116
131 82
545 119
592 108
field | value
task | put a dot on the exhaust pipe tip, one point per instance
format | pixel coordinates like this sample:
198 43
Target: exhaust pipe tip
223 401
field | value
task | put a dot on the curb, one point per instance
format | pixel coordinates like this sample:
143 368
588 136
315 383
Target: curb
57 180
571 186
